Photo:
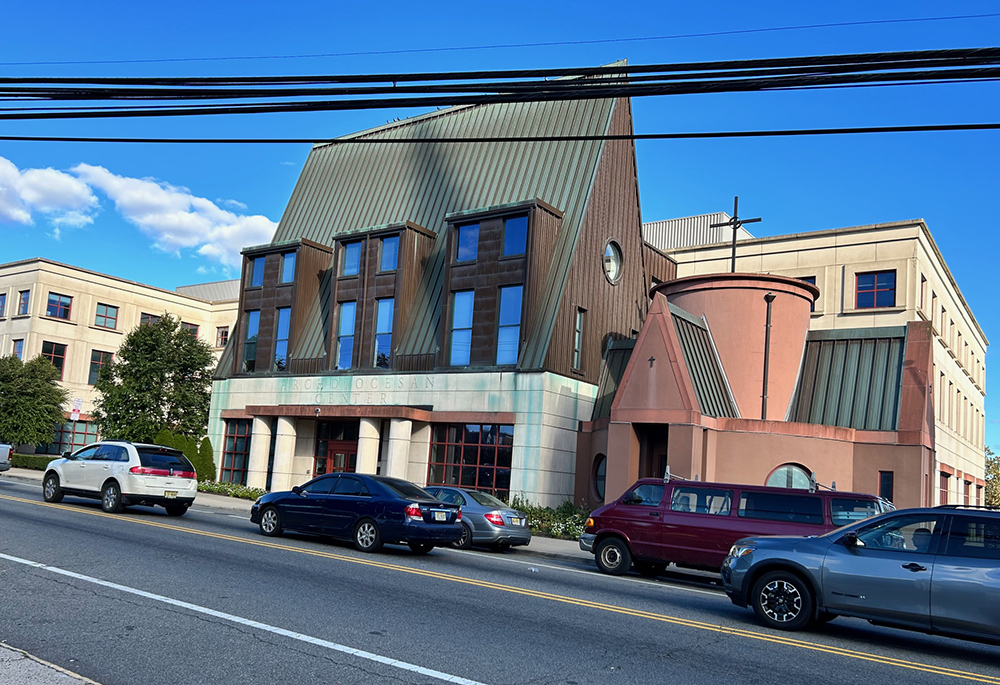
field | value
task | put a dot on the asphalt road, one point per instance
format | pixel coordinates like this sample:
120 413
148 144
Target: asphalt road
143 598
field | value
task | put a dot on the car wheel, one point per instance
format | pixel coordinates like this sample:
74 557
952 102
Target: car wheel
51 492
111 498
366 536
782 600
176 509
464 542
612 556
270 522
420 547
649 569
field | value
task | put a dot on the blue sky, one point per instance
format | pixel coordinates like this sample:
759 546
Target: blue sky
172 215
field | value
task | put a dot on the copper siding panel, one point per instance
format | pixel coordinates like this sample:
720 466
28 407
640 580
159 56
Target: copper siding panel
703 368
612 369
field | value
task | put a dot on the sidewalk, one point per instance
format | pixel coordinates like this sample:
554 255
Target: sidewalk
22 668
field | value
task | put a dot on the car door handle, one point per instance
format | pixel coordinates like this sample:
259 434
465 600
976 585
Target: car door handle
654 513
913 566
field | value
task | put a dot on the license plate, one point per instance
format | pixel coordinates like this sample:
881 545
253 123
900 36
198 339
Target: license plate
170 494
514 521
440 516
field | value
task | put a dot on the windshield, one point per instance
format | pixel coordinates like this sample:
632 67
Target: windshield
487 500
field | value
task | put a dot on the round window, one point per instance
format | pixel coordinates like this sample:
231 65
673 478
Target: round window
600 474
612 262
789 476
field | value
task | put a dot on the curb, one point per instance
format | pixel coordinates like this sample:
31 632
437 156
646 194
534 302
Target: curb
44 672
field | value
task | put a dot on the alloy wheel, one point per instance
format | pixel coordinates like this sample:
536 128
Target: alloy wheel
781 601
366 534
269 521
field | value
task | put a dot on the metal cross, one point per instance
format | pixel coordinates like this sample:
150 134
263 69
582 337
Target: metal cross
736 223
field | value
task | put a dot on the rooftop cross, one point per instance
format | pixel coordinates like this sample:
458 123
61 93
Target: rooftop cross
736 222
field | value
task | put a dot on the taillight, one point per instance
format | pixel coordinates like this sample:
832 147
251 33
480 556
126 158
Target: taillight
459 517
145 471
412 511
494 517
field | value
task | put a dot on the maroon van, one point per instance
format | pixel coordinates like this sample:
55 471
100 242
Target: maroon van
694 523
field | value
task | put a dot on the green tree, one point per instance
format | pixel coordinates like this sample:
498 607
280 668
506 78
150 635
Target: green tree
992 479
161 377
206 460
31 400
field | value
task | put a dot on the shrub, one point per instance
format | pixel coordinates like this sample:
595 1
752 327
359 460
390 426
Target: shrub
565 521
206 459
35 462
231 489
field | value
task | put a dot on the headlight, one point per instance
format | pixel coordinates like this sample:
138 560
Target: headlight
258 500
737 551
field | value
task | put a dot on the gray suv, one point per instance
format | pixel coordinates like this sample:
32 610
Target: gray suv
936 570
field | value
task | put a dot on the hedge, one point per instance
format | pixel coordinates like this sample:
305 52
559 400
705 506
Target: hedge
231 489
35 462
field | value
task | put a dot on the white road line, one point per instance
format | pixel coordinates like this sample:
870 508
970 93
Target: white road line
395 663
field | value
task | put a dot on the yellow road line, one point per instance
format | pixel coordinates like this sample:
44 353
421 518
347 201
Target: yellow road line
638 613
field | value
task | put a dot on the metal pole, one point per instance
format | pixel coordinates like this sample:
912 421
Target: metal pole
736 227
769 298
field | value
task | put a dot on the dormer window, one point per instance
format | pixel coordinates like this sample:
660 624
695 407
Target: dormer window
257 272
351 259
389 255
467 243
287 267
515 236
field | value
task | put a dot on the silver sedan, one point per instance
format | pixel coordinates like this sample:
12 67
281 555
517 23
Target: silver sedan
486 520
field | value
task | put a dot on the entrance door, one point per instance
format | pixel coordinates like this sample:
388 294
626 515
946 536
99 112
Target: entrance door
335 456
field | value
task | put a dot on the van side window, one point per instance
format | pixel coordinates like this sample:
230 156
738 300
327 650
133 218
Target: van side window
647 494
846 510
769 506
701 501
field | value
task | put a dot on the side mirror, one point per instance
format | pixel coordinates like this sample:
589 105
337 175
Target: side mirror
851 540
631 498
67 455
297 490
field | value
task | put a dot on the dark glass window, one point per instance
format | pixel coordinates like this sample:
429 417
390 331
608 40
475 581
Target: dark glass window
59 306
877 289
68 437
236 452
462 306
191 328
288 267
321 486
770 506
913 533
3 304
97 361
974 536
345 334
350 486
250 341
474 456
22 302
600 475
383 332
509 325
811 280
281 339
846 510
885 484
18 349
351 259
107 316
701 500
646 495
515 235
55 353
145 318
256 272
390 253
467 243
221 336
578 338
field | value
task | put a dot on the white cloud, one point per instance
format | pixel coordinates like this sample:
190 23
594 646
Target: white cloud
64 199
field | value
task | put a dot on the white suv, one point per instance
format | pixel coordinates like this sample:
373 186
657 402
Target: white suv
121 473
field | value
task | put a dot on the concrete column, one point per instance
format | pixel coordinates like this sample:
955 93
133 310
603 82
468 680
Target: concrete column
419 453
368 437
260 446
399 448
284 450
623 460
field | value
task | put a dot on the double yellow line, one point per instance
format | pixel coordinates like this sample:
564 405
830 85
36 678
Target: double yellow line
638 613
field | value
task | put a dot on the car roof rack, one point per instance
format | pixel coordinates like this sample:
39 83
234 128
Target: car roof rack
667 476
987 507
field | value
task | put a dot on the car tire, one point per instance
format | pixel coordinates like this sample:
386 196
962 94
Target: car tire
420 547
367 537
111 498
176 509
613 556
649 569
464 542
783 600
270 522
51 490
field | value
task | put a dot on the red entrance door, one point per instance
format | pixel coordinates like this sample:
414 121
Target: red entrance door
339 456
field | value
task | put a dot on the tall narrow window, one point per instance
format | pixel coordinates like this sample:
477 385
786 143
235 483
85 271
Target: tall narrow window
345 334
467 243
460 346
288 267
221 336
281 339
98 360
351 259
59 306
250 341
22 302
3 304
55 353
107 316
885 485
509 325
18 349
383 332
515 235
811 280
923 290
578 338
389 256
877 289
257 272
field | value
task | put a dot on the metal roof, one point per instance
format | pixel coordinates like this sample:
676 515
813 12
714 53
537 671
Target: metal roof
219 291
704 367
689 231
612 369
851 378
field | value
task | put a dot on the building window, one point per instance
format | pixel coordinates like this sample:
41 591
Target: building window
509 325
107 316
383 332
257 272
281 339
600 476
98 360
150 319
812 281
191 328
3 304
923 291
221 336
69 437
22 302
18 349
876 289
288 267
389 254
578 340
345 334
612 260
351 259
55 353
885 484
236 452
460 346
944 485
250 341
467 243
59 306
789 476
472 456
515 235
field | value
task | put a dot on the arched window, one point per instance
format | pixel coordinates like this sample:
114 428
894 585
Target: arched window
789 476
600 473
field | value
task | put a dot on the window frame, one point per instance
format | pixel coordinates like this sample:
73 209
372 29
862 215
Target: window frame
284 278
381 253
17 348
235 429
257 271
3 305
279 341
523 244
147 319
875 290
381 333
221 333
103 360
23 302
63 312
191 328
455 295
345 247
52 356
502 327
578 328
250 340
811 280
457 255
342 335
453 456
106 316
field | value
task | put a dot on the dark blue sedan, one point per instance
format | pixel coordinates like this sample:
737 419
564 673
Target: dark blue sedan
370 510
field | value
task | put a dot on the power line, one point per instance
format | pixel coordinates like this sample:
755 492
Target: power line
505 46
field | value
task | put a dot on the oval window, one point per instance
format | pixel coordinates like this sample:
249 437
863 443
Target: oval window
600 475
612 262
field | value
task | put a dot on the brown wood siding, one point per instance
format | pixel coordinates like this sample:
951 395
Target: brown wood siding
658 266
312 262
613 311
415 247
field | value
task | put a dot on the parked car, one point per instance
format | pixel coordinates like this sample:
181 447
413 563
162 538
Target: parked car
931 569
486 520
369 510
693 523
123 473
5 451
